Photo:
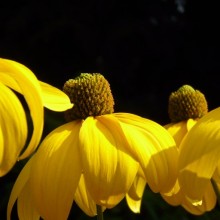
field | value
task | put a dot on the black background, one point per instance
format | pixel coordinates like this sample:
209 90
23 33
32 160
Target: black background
146 49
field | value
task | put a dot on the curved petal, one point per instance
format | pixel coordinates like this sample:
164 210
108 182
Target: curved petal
84 200
199 155
19 185
56 172
155 149
180 129
175 196
208 202
26 208
54 99
108 170
13 129
24 81
177 130
134 196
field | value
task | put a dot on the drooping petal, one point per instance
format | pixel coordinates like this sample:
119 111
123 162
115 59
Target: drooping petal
177 130
18 186
134 196
83 199
208 202
155 149
54 99
199 155
56 172
108 170
175 196
26 208
180 129
21 79
13 129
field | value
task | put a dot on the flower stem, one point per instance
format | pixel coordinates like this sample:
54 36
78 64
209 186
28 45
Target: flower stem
99 212
217 193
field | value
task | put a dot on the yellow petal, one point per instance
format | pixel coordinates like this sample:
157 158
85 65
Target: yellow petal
84 199
208 202
175 196
134 205
54 99
56 172
137 188
190 123
13 129
180 129
134 196
18 187
25 206
108 170
155 149
24 81
177 130
199 155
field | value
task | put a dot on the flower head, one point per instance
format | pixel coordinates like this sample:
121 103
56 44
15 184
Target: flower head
13 124
185 107
95 157
187 110
186 103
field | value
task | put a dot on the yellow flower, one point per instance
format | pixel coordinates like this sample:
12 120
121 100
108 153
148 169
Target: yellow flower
187 109
13 124
94 158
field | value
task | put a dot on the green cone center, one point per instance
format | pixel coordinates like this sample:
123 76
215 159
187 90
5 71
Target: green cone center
91 95
186 103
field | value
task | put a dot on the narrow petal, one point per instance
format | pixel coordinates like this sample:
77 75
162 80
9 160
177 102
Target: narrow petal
54 99
155 149
24 81
134 196
13 129
108 170
199 155
84 199
56 172
19 186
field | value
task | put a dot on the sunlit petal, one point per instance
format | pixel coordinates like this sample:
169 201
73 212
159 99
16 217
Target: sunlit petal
18 186
13 129
134 196
200 154
109 171
155 149
84 199
25 82
180 129
54 99
56 172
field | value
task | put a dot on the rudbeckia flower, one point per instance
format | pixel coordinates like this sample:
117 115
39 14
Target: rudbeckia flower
94 158
13 124
187 108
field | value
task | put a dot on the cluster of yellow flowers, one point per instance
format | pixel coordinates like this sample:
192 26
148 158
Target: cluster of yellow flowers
98 158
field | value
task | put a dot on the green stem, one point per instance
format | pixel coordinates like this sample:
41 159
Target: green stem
215 187
99 212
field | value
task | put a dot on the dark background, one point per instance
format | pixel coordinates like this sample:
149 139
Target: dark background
146 49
